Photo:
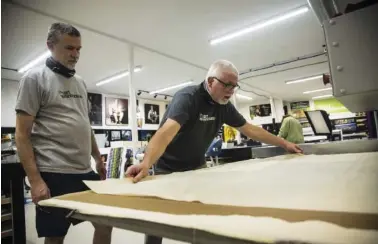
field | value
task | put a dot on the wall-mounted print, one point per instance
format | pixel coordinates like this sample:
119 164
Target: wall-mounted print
145 135
139 116
113 167
116 110
298 109
115 135
126 135
151 114
262 110
108 138
95 109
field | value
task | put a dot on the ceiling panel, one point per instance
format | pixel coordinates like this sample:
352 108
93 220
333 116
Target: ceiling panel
273 80
183 28
179 28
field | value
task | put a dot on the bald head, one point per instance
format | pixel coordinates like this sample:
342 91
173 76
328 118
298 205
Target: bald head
222 79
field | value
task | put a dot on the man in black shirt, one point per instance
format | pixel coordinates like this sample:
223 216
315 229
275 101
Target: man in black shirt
192 121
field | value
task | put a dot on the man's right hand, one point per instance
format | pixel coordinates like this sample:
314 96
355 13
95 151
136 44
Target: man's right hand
137 172
39 191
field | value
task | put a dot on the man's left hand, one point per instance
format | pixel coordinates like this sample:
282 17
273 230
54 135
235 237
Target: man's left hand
101 170
292 148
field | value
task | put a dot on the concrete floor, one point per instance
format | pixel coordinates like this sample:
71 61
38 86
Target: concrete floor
83 232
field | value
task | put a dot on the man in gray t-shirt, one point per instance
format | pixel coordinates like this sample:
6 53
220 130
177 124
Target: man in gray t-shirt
53 133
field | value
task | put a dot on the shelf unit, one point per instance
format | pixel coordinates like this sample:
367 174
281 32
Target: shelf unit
12 202
5 200
6 220
6 216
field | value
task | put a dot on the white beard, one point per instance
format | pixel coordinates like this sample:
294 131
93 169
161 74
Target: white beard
222 101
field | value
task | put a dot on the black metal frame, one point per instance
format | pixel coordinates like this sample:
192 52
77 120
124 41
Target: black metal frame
193 236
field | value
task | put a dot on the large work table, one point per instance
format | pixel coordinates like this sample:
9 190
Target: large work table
329 198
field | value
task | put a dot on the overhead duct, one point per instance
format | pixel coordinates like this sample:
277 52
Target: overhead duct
324 9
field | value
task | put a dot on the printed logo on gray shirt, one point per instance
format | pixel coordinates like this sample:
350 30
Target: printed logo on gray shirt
67 94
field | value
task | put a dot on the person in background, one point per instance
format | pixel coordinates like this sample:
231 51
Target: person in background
291 130
54 136
192 120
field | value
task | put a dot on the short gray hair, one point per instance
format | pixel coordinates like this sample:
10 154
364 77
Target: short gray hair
219 66
56 30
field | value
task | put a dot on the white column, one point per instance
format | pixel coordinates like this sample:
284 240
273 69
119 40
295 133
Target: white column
132 101
273 107
277 109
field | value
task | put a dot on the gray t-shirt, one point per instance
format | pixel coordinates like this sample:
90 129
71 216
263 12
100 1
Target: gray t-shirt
61 134
200 119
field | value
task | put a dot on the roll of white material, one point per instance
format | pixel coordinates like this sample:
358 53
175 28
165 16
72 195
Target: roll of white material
344 182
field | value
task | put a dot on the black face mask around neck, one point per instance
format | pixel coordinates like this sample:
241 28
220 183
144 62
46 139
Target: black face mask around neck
59 68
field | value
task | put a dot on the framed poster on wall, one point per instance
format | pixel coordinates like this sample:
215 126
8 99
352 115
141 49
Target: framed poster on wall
95 108
116 111
151 114
298 109
145 135
115 135
139 116
126 135
262 110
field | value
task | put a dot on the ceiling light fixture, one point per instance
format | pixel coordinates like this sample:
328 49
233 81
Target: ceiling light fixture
35 62
323 96
304 79
244 97
318 90
172 87
261 25
118 76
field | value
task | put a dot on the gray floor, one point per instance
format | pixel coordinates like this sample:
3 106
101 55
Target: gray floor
83 233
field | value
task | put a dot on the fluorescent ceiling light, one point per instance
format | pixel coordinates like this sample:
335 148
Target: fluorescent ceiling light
261 25
323 96
244 97
318 90
118 76
304 79
35 61
172 87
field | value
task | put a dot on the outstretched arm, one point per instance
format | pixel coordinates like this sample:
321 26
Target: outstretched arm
155 149
160 141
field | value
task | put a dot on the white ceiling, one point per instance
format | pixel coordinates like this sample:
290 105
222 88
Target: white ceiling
180 29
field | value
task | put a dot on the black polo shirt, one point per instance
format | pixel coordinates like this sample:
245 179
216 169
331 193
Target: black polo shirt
200 119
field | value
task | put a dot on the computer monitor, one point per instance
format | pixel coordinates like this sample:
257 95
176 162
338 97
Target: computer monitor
320 122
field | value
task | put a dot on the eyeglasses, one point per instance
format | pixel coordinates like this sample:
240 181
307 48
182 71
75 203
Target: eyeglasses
228 85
